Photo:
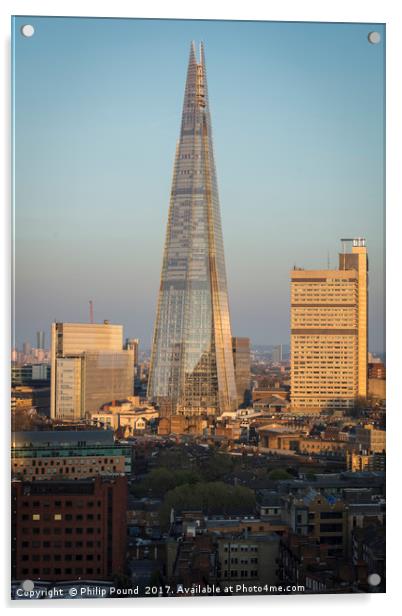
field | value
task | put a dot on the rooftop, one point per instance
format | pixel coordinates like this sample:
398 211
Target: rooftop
41 438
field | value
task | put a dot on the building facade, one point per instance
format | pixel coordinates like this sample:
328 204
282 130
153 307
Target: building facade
370 439
277 354
89 368
242 368
40 340
192 361
329 333
248 558
69 530
67 454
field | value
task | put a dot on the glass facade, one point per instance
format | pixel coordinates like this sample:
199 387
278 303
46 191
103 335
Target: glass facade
192 362
108 376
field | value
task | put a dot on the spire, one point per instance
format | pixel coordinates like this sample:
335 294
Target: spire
192 57
196 88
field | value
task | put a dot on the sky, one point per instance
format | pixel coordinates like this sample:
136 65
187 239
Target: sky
298 124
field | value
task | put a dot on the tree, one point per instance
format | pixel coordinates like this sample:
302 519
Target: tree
208 497
279 474
160 480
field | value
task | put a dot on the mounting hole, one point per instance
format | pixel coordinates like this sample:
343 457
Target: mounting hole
374 38
374 579
27 30
27 585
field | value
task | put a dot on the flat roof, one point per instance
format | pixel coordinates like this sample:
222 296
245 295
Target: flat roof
51 438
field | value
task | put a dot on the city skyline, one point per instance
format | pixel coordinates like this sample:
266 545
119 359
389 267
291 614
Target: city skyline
328 144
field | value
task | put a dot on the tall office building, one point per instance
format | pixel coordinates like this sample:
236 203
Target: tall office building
242 367
191 361
89 368
40 340
329 332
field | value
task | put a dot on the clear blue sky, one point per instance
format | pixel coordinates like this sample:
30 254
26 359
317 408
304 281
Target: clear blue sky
298 121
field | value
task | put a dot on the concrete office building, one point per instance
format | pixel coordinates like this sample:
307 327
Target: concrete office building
89 368
329 333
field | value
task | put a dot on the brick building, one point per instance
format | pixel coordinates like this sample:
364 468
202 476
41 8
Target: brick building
69 530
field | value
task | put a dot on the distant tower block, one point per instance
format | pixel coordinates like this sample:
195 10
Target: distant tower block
40 340
91 311
133 344
242 366
192 362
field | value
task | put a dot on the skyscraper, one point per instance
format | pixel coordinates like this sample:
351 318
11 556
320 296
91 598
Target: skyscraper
329 333
191 361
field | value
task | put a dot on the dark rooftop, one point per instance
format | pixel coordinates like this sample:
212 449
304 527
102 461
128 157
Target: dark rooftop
41 438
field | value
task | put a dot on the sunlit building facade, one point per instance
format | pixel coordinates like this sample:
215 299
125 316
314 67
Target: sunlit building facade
329 333
192 362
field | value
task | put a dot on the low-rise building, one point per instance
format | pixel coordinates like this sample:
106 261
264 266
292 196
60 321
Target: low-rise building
279 437
321 518
357 461
183 424
248 557
70 454
320 446
370 439
131 421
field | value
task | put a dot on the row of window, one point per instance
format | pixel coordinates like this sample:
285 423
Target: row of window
82 461
58 516
60 544
243 573
59 557
59 503
58 531
59 571
241 548
243 561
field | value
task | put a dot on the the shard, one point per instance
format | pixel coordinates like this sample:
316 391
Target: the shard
192 363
